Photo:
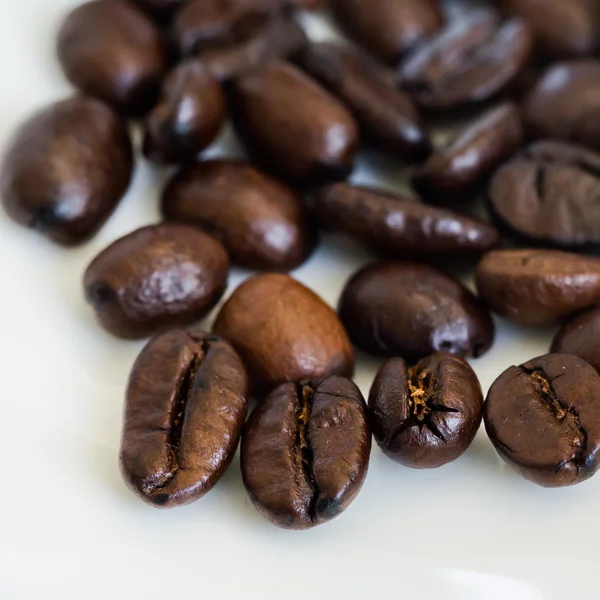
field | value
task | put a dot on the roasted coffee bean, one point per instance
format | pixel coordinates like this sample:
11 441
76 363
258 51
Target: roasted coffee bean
456 173
544 419
163 9
389 28
260 221
305 452
563 104
188 117
157 277
472 60
411 310
184 413
399 226
388 119
581 337
111 49
284 332
538 287
548 194
66 169
317 144
427 415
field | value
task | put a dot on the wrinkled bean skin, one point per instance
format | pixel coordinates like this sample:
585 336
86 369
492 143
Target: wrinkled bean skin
398 226
470 61
66 169
388 119
112 50
157 277
581 336
261 222
284 332
543 418
411 310
188 117
456 173
305 452
184 413
388 28
425 416
536 288
317 145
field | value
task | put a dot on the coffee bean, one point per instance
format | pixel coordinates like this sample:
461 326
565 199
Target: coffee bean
260 221
581 337
317 144
387 118
66 169
536 288
471 61
563 104
456 173
305 452
410 310
284 332
184 413
188 117
547 194
157 277
544 419
389 28
399 226
427 415
111 49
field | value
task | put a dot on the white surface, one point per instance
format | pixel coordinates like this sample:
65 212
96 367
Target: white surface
69 529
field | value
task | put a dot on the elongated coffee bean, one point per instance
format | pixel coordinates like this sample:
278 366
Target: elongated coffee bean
305 452
184 413
66 169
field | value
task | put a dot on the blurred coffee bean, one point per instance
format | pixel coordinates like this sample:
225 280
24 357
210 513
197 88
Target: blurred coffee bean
581 336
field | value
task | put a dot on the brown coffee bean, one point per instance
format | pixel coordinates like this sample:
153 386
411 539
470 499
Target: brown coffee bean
305 452
188 117
581 337
471 61
538 287
389 28
260 221
457 172
157 277
284 332
66 169
544 419
427 415
410 310
111 49
399 226
184 413
317 144
388 119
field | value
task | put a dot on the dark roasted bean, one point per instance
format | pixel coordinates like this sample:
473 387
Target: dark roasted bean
581 337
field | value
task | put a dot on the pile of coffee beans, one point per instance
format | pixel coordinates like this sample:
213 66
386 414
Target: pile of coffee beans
524 74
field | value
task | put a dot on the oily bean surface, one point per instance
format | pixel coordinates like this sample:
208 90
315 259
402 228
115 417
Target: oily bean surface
581 336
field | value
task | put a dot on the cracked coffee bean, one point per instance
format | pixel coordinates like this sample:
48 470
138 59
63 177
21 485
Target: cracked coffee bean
305 452
112 50
157 277
471 61
318 144
184 413
543 418
388 119
284 332
66 169
536 288
427 415
389 28
261 222
548 194
410 310
581 337
398 226
457 172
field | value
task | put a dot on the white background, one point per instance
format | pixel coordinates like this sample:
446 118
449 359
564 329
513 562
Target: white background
69 529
